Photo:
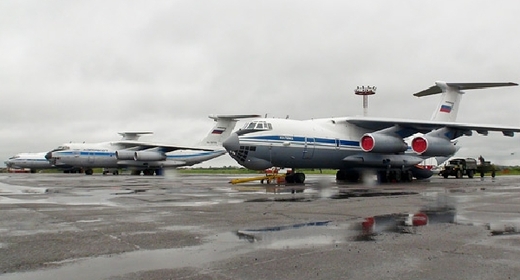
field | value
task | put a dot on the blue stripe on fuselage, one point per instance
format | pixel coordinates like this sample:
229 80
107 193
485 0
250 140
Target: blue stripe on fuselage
112 154
300 139
89 153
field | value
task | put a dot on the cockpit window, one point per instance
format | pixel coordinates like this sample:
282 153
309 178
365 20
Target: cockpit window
258 125
15 157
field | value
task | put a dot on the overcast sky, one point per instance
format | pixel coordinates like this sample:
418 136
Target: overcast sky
84 70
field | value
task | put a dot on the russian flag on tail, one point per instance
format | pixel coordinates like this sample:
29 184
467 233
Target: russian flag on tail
446 108
218 130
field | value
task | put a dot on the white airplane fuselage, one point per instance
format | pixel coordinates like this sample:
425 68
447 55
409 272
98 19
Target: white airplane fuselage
103 155
33 161
318 143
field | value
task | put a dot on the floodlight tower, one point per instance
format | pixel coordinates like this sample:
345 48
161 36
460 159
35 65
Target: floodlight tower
365 91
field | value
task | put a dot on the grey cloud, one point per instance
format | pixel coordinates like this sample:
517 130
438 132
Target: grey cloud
83 70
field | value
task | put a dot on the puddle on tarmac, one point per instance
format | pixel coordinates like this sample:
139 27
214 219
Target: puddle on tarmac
15 189
222 246
300 235
14 194
218 247
348 193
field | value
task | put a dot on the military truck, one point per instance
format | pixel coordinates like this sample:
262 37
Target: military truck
460 167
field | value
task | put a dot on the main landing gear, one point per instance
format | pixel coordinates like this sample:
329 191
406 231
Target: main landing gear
394 176
387 176
348 175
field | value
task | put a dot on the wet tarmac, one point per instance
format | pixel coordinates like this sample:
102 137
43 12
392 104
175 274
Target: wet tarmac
72 226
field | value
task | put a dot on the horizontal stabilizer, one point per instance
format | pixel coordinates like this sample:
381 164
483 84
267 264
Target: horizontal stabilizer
460 86
232 117
133 135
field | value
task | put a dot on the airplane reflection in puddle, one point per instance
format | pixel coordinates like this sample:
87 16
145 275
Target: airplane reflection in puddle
405 222
330 232
299 235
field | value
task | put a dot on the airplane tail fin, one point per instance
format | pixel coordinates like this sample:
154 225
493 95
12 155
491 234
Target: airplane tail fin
448 107
133 135
222 129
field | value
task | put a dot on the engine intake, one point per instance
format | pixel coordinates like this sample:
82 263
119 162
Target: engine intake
382 143
152 156
427 145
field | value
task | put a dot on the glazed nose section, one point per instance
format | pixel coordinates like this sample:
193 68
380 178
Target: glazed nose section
232 143
48 156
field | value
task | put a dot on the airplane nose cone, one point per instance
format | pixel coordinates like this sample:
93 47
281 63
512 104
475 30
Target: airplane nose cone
232 143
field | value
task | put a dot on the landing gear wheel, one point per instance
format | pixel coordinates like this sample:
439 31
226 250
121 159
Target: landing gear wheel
459 174
299 178
397 176
148 172
408 176
289 178
470 174
348 175
89 171
340 175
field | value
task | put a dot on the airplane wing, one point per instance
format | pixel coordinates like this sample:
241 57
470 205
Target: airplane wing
410 127
138 146
387 135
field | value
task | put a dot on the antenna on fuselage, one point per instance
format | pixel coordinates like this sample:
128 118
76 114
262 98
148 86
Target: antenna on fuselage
365 91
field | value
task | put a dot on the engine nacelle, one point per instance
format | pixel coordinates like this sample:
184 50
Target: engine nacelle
427 145
152 156
125 155
382 143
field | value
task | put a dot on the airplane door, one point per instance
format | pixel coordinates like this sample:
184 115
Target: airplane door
308 148
91 157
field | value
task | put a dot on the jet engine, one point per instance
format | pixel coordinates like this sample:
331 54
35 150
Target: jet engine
382 143
125 155
428 145
144 156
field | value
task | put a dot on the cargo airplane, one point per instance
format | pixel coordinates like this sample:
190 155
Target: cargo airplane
32 161
392 148
146 157
37 161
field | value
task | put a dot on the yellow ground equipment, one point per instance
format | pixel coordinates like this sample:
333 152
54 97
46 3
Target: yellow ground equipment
271 176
